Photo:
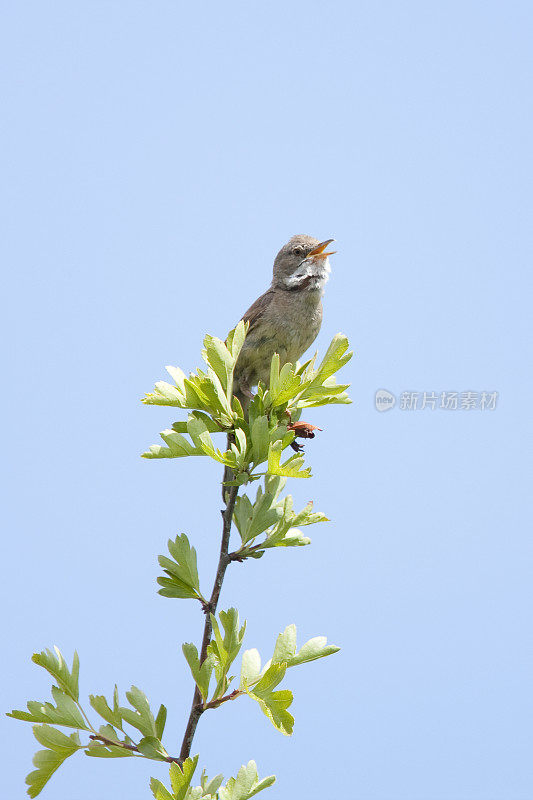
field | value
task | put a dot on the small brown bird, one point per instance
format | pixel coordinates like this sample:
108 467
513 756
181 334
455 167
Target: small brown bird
286 319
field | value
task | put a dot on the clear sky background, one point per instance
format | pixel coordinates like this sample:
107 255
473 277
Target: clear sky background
155 156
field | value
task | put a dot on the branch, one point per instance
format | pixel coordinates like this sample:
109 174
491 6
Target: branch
197 707
109 742
231 696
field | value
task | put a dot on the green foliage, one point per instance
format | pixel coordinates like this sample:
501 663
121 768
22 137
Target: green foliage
260 684
285 650
181 570
209 391
224 649
290 468
108 741
273 704
180 779
253 519
276 518
58 746
140 716
244 786
209 787
56 665
262 435
200 672
251 442
64 712
296 386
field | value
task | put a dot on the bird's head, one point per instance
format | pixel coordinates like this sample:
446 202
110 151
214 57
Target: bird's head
302 263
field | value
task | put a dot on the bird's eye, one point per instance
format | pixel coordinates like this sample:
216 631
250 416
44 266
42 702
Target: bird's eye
298 251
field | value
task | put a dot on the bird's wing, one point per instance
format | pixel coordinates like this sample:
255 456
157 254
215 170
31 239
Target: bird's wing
258 309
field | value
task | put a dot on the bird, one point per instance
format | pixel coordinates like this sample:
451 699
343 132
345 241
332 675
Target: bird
285 319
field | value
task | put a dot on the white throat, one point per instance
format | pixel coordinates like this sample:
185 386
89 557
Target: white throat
313 273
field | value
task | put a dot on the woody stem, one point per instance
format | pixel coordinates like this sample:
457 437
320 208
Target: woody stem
197 707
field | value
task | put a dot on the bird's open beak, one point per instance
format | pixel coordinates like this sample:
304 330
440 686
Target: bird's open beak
320 250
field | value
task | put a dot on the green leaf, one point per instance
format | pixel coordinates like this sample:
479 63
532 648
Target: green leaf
151 747
59 747
210 787
201 674
159 791
160 721
285 648
285 534
199 433
235 339
142 718
240 449
260 686
217 356
180 779
322 396
56 740
270 679
210 424
250 668
58 668
178 447
335 358
242 515
100 705
273 704
260 435
182 570
253 520
165 394
246 784
313 649
65 712
224 648
287 386
293 538
178 376
216 394
276 518
274 374
291 467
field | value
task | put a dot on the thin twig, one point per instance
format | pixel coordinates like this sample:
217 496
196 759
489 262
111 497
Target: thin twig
231 696
197 707
110 743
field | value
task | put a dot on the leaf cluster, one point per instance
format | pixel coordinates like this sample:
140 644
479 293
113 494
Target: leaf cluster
274 518
261 435
254 447
109 740
258 683
244 786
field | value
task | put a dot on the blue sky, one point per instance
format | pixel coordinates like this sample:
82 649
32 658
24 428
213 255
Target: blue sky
155 156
